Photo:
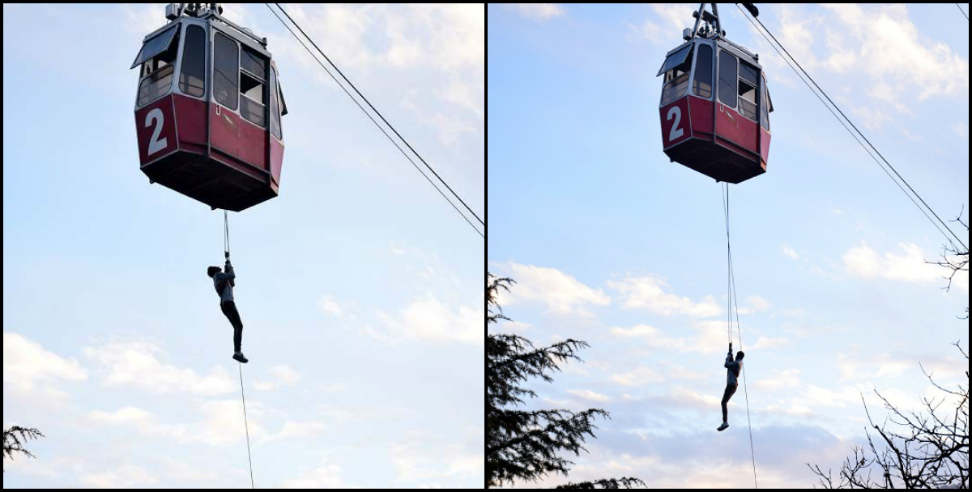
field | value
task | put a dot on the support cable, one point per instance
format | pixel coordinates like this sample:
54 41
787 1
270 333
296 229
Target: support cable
380 128
851 123
246 424
962 11
226 248
733 297
868 150
247 427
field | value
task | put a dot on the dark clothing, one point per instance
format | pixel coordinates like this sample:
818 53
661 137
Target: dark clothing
734 367
224 283
229 309
730 390
732 374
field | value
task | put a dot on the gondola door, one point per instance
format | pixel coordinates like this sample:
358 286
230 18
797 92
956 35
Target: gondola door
224 124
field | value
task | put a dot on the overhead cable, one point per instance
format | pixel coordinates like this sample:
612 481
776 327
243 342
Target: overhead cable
937 221
380 116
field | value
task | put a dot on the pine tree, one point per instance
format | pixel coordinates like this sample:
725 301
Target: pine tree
12 443
526 444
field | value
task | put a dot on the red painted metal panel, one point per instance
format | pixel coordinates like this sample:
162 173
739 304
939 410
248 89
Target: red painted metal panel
224 129
675 123
252 148
700 111
728 124
156 130
735 129
764 141
191 120
276 160
748 131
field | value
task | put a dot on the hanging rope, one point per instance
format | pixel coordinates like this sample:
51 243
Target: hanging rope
247 427
246 424
725 211
733 306
225 234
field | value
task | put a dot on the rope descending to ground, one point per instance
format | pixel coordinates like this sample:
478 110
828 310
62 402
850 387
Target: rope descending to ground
731 284
247 427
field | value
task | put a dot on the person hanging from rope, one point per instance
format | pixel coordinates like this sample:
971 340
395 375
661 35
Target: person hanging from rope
224 283
733 367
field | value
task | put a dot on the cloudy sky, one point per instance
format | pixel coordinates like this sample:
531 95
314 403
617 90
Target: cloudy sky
613 244
359 287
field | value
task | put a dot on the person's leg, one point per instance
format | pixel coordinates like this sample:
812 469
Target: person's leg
725 400
730 390
229 309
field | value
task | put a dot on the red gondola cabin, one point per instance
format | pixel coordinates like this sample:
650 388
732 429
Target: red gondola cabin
715 107
208 110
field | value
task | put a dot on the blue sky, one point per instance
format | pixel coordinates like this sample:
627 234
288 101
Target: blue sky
613 244
359 287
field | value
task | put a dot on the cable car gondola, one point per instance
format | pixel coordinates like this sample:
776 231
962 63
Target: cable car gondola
715 104
213 132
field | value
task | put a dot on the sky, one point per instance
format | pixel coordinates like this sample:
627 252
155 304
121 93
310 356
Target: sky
360 289
612 244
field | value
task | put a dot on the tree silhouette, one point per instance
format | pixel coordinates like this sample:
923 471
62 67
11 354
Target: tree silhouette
926 449
955 259
14 439
525 444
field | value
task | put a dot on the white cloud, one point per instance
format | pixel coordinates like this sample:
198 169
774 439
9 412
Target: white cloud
890 49
637 377
707 336
561 293
135 364
673 18
874 366
653 337
910 266
141 19
961 129
301 430
648 293
142 421
439 37
422 463
221 419
754 304
436 50
646 331
513 326
219 424
327 475
788 251
884 50
780 379
282 376
590 395
27 365
538 11
330 306
769 342
862 260
124 415
430 319
817 396
124 476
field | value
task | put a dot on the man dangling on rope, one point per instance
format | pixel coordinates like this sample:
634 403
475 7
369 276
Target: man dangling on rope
733 367
224 283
